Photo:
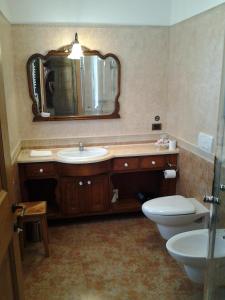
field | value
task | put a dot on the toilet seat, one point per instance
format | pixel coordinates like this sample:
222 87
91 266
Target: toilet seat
176 214
170 206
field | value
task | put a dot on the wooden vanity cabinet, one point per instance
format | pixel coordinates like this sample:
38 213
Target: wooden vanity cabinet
84 188
131 175
73 190
84 195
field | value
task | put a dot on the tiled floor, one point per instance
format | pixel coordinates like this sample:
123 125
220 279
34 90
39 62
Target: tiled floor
119 259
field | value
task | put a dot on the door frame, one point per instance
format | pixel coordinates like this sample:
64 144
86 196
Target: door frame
7 186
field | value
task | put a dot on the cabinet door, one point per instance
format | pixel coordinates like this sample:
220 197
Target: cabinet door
98 193
84 195
70 204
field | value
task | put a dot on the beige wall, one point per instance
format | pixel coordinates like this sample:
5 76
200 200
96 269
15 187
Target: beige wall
195 65
9 81
174 72
193 49
195 175
143 52
196 49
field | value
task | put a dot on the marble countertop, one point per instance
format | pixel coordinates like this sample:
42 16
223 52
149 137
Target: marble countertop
114 151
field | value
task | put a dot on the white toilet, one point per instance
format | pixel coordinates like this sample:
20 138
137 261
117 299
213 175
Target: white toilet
191 248
176 214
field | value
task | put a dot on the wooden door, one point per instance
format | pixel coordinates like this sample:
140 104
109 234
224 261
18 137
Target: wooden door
11 287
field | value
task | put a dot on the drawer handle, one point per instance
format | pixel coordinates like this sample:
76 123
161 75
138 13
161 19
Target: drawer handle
153 162
89 182
41 170
125 164
80 183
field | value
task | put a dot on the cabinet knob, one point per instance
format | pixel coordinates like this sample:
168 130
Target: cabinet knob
89 182
41 170
125 164
80 182
153 162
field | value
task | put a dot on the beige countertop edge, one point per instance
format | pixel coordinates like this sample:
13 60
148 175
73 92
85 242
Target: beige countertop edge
114 151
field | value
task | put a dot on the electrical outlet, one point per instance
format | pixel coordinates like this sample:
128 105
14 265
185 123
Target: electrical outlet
157 126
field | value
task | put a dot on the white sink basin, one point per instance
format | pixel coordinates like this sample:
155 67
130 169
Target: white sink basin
75 155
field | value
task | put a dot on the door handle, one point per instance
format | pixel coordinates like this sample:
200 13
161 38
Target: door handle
222 187
17 228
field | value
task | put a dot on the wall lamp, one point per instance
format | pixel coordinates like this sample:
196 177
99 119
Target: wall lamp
76 51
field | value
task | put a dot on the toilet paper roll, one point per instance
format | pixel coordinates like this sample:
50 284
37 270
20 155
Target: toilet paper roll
170 174
172 144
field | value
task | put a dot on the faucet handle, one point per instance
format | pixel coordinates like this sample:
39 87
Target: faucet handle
81 146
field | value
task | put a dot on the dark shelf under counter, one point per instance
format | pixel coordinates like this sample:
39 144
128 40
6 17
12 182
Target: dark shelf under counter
126 205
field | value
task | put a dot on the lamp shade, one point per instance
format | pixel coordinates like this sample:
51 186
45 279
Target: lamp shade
76 51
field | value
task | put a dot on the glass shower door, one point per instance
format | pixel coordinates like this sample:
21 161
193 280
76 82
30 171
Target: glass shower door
215 274
214 288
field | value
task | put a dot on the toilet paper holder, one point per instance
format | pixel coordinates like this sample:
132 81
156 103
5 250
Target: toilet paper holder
172 166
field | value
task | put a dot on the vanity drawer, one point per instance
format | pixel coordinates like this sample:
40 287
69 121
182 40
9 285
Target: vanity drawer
122 164
89 169
153 162
39 169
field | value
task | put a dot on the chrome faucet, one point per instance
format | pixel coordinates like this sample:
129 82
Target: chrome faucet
81 146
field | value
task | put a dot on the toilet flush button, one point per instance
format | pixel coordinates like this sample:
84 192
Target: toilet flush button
205 142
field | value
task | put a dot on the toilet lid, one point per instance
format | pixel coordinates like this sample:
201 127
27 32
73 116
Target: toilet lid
170 206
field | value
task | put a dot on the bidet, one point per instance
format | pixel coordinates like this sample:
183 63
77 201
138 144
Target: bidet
191 249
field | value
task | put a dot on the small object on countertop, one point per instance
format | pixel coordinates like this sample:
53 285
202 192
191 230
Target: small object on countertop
172 144
162 142
40 153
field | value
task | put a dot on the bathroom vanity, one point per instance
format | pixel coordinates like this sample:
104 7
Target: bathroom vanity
87 188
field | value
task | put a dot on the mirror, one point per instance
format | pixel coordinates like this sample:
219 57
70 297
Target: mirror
65 89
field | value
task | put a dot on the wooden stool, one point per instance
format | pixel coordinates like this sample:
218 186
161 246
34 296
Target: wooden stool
33 212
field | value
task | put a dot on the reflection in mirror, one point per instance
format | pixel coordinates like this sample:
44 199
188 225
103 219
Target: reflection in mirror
63 88
98 84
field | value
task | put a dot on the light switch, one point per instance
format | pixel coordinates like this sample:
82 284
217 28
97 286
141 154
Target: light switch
205 142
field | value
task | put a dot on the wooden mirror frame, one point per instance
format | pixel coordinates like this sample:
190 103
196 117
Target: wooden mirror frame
64 52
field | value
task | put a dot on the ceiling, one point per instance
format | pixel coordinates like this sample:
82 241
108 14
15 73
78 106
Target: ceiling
117 12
